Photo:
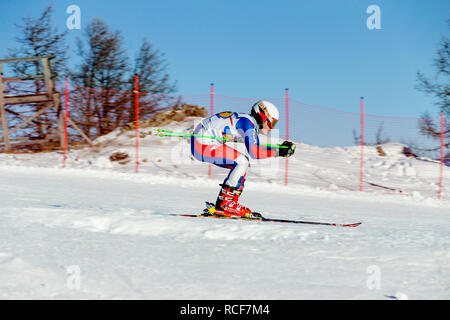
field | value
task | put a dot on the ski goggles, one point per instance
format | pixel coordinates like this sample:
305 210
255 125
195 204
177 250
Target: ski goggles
271 122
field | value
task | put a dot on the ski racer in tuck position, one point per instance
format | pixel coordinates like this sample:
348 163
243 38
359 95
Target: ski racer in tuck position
236 126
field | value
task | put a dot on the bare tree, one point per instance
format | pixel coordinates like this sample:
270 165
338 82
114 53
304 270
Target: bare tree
379 135
104 68
37 37
430 128
154 85
379 139
440 90
151 67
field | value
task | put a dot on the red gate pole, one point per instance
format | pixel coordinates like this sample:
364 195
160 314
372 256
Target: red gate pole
286 163
211 113
136 111
441 175
66 118
361 173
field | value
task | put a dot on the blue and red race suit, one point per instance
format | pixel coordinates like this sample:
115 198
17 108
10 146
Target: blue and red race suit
230 126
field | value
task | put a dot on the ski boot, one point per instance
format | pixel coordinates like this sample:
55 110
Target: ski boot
227 203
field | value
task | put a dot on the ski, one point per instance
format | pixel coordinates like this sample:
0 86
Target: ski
268 220
207 214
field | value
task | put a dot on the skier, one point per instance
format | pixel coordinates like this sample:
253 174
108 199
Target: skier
236 126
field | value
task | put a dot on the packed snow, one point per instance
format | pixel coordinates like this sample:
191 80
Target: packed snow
96 229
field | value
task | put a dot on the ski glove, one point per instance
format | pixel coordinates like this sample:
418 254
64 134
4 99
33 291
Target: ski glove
286 152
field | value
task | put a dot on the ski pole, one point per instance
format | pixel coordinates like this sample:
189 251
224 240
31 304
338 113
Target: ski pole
168 133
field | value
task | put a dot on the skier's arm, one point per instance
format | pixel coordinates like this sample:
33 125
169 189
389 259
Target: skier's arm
248 131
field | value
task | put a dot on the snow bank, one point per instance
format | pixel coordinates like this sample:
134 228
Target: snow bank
111 230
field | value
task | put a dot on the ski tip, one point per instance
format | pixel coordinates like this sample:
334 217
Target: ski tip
350 224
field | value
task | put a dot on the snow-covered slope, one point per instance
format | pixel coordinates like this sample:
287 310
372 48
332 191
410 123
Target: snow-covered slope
98 230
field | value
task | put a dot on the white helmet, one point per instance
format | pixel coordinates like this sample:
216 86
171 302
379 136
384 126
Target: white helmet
264 110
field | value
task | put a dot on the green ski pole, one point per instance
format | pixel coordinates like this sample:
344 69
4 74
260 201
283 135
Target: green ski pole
168 133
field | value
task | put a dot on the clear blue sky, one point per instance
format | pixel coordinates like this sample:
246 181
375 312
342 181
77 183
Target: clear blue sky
321 50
